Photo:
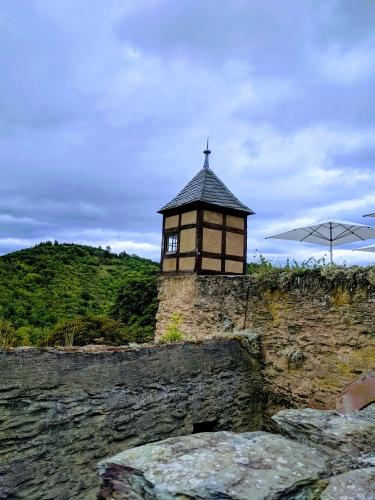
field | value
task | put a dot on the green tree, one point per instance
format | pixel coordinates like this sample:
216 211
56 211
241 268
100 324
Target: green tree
136 302
42 286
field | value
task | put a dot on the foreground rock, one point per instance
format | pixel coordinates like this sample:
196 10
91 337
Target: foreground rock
249 466
354 485
351 434
325 456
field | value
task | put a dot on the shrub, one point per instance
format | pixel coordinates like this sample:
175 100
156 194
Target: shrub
140 333
315 272
7 334
23 335
173 332
170 336
85 330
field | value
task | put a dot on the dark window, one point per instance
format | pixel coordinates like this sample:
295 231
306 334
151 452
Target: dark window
171 243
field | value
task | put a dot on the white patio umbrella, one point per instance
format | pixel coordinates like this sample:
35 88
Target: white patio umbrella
329 233
368 248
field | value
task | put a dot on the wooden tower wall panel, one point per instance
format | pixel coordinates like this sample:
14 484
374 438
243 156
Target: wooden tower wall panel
189 217
211 264
232 266
237 222
212 240
169 264
171 222
234 244
213 217
187 240
187 263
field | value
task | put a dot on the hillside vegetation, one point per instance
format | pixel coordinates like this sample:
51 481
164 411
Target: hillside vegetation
68 294
51 292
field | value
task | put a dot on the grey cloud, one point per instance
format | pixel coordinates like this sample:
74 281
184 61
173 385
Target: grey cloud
35 69
271 36
212 32
275 42
94 138
363 158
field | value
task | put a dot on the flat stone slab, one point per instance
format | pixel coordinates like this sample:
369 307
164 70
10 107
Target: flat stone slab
246 466
350 434
358 394
354 485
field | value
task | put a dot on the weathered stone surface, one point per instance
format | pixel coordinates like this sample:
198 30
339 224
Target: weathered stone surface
354 485
61 412
367 413
331 457
250 466
348 434
317 336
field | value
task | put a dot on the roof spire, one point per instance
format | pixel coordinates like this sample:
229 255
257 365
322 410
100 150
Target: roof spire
206 152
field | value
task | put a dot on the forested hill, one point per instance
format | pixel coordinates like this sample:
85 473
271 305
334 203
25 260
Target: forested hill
52 282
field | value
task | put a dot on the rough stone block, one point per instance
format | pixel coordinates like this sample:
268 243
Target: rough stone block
248 466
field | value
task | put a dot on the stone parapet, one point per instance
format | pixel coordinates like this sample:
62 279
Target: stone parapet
317 334
61 411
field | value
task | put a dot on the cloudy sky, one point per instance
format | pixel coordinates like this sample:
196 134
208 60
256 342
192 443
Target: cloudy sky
106 105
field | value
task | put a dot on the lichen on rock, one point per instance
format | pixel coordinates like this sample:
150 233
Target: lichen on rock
247 466
358 484
336 433
326 456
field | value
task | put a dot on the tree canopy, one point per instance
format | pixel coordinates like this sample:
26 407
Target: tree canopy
52 283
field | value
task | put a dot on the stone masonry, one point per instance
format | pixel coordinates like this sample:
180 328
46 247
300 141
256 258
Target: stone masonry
61 411
317 337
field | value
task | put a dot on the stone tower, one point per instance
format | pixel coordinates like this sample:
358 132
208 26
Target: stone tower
204 228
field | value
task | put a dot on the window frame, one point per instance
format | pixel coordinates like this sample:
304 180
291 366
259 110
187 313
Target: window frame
171 243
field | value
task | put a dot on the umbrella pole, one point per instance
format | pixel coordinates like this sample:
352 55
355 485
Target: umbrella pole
330 252
330 243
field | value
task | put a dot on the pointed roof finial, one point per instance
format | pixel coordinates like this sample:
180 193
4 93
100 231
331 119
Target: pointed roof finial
206 152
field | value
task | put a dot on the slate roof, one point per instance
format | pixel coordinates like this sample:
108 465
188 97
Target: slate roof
208 188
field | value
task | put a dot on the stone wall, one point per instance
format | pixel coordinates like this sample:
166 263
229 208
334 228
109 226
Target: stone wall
317 333
62 411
